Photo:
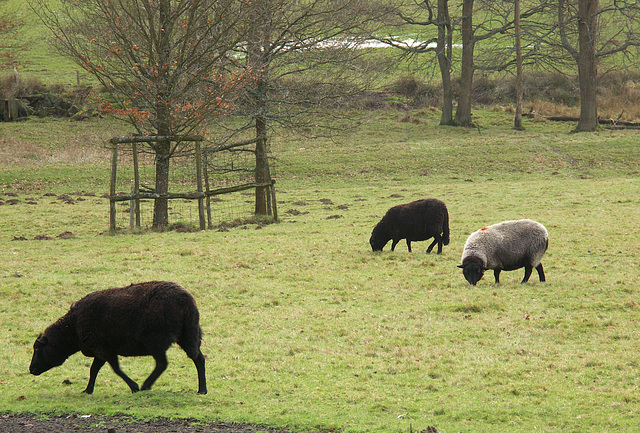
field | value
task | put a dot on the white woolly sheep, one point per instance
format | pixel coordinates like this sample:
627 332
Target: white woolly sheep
505 246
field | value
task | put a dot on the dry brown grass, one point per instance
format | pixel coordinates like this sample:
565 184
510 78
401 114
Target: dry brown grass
620 99
548 108
545 94
86 148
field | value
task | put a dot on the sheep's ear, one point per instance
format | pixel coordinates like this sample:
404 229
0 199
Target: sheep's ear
461 266
42 339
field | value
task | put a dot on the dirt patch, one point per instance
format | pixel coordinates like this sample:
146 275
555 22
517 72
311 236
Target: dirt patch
90 424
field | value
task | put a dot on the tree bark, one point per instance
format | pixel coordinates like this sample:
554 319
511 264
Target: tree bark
258 61
444 61
262 174
517 120
463 112
163 116
587 68
161 205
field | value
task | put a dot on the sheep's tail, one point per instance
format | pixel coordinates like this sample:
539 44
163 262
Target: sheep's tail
445 227
191 337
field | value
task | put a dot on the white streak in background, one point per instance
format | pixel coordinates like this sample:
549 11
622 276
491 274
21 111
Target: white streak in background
355 44
374 43
409 43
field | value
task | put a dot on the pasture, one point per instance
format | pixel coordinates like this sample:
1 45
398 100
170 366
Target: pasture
304 327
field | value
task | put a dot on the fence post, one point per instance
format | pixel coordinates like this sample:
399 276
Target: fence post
136 184
205 163
132 208
199 185
112 190
273 200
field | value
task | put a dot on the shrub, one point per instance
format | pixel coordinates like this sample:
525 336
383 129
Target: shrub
11 88
419 92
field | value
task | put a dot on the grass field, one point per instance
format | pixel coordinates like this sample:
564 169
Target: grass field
304 326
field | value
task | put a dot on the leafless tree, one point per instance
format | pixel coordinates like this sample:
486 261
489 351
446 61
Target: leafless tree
439 23
433 22
590 30
496 32
300 54
576 35
164 63
517 119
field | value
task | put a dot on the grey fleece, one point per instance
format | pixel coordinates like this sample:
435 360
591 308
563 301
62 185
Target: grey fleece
508 245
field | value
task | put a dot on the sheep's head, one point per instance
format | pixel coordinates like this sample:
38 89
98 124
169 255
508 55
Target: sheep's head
46 355
472 272
379 238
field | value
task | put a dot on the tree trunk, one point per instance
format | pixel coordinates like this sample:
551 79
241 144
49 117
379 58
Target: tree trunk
262 174
463 113
517 120
161 205
163 148
587 68
259 62
444 61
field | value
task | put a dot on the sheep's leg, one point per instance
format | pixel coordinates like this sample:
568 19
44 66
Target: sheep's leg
198 360
527 273
93 373
116 369
409 245
433 244
540 273
161 366
394 243
496 274
192 349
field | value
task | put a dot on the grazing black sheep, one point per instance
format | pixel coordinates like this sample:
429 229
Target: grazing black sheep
139 320
505 246
415 221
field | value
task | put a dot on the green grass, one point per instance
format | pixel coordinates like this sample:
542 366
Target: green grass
38 59
305 327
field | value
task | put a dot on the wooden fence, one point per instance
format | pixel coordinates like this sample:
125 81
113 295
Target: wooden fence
202 194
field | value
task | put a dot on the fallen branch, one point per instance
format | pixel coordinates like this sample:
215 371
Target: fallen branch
612 123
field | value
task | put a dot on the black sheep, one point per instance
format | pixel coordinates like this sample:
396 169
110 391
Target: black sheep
415 221
139 320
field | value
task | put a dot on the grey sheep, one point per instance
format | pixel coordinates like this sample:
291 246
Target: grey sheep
415 221
142 319
505 246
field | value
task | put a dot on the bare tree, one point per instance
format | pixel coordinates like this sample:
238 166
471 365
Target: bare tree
299 53
163 62
493 31
467 68
436 28
444 48
517 119
590 30
496 32
583 33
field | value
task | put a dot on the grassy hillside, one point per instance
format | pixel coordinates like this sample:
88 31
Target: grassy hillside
37 59
304 326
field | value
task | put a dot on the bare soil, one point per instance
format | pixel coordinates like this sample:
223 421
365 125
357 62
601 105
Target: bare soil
96 424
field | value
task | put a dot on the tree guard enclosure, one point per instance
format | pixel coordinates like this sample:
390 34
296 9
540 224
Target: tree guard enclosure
201 174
